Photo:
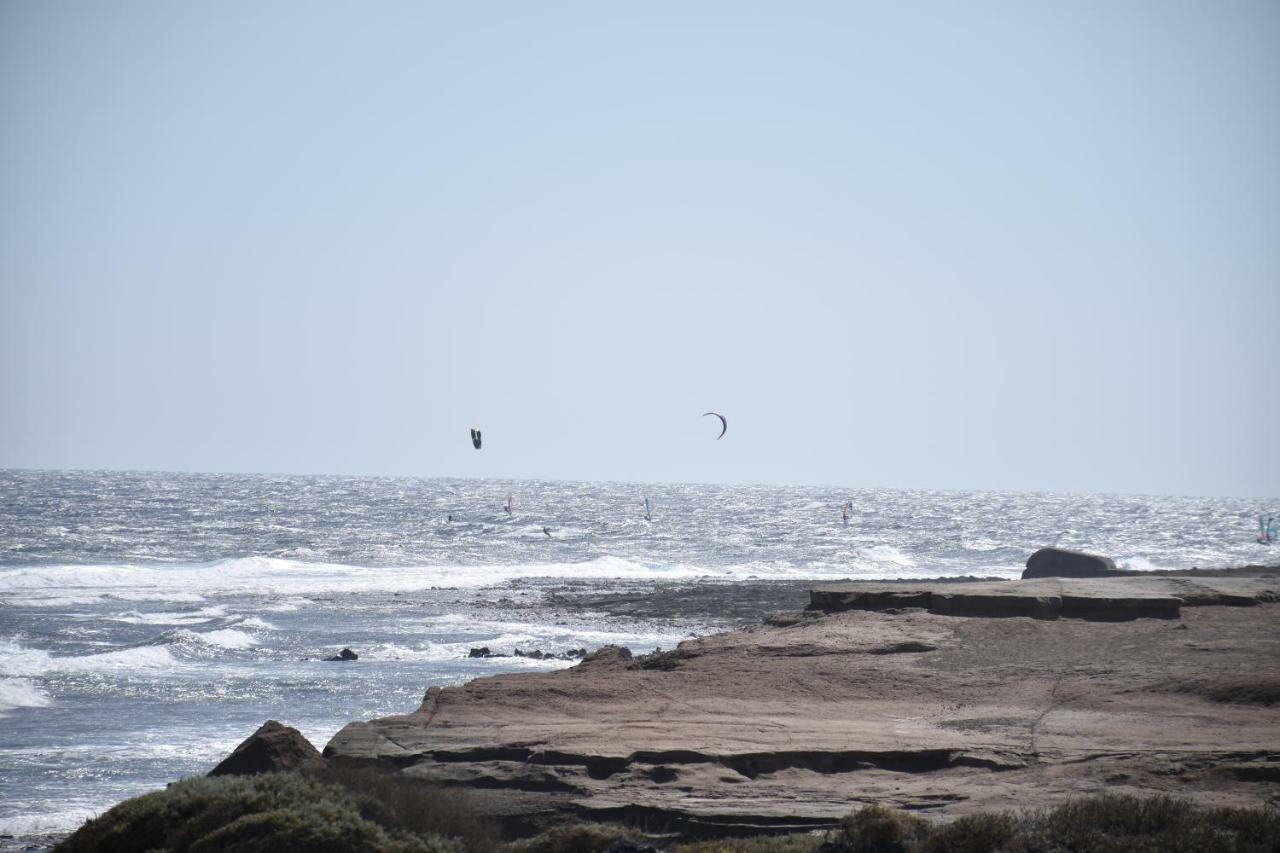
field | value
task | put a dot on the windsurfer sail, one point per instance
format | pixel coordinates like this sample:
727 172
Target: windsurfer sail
507 506
648 516
846 511
475 438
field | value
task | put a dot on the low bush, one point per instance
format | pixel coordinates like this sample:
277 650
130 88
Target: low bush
254 814
758 844
1114 823
876 829
978 833
416 806
340 810
573 838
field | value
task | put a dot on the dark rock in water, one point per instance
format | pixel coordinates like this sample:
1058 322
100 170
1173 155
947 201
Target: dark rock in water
480 652
345 654
273 748
1059 563
539 654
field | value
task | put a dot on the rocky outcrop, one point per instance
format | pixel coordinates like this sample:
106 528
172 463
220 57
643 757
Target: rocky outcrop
1108 599
792 724
273 748
535 654
345 654
1060 563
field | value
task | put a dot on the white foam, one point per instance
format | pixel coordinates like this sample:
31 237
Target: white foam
267 576
255 623
227 638
21 693
17 660
1138 564
42 823
886 554
191 617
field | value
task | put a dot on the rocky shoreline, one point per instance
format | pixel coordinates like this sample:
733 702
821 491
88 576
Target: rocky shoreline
938 697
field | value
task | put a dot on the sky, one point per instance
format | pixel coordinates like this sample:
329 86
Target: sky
1017 245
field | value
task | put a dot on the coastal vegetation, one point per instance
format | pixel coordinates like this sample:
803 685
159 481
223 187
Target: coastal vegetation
337 811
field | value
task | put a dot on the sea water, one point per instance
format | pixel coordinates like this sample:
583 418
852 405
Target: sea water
150 622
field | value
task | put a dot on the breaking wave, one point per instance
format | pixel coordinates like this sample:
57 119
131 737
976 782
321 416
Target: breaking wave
21 693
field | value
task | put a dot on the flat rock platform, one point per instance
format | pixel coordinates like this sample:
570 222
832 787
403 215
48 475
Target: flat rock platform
944 698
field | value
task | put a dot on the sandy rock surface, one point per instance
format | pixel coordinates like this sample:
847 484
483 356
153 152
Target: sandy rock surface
796 722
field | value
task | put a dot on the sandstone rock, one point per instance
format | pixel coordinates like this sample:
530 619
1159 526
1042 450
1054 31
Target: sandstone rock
1060 563
273 748
877 598
771 729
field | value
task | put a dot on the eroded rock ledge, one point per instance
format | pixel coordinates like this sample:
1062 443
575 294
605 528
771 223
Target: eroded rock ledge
791 724
1110 598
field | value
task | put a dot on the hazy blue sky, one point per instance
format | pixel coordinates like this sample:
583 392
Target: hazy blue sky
982 245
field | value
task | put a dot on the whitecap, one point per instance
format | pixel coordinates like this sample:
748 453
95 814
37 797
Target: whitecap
190 617
21 693
43 823
16 660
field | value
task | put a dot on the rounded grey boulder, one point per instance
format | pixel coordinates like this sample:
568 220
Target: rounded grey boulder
1060 563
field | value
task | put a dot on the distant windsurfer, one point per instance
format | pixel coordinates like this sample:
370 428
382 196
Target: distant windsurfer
845 512
475 438
507 506
547 530
1266 530
648 515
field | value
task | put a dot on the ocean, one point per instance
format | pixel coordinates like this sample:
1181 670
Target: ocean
150 622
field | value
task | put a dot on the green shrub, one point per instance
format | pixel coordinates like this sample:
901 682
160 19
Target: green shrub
416 806
237 814
573 838
876 829
759 844
978 833
1114 823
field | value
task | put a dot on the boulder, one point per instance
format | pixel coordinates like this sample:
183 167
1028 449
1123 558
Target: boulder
1060 563
273 748
345 654
480 652
607 655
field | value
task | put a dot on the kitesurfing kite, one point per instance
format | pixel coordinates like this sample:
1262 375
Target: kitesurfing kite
724 425
475 438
